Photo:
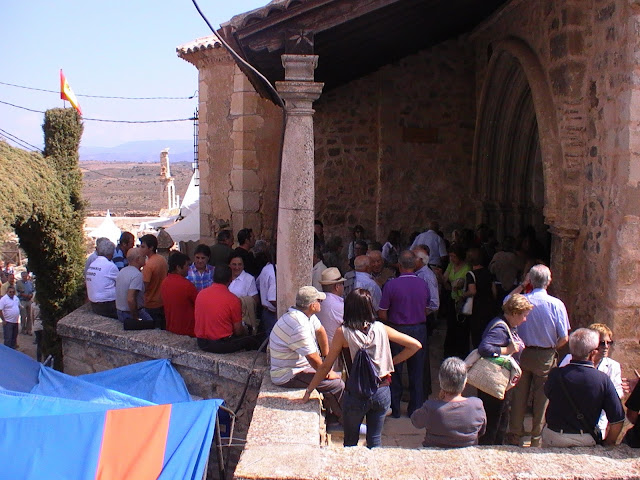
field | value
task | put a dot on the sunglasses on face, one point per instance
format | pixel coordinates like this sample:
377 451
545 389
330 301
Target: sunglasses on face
605 344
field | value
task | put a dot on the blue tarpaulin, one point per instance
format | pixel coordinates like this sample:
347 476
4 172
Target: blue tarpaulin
132 422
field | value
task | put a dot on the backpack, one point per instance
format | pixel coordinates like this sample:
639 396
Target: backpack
363 381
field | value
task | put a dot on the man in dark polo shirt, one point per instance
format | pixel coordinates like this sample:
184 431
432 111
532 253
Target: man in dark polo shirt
246 241
218 314
404 307
590 390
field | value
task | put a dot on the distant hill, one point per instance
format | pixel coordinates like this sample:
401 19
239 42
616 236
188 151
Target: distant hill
140 152
129 189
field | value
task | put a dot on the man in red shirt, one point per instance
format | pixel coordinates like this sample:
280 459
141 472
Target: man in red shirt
179 296
219 327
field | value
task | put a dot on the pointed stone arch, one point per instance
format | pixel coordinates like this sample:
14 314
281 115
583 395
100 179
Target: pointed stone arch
517 135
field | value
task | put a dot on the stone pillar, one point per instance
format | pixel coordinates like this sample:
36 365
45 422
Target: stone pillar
297 187
563 254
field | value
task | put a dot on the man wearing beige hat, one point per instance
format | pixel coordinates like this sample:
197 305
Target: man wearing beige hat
294 351
333 306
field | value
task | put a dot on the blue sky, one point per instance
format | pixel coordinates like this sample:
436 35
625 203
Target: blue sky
113 48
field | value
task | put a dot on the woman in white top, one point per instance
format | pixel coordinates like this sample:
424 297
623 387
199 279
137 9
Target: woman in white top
361 331
242 284
605 364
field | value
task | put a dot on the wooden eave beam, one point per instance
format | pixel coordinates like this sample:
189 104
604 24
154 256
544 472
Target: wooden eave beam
260 36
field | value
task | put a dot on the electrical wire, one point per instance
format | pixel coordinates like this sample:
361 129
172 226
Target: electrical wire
102 96
10 140
275 95
19 141
88 170
190 119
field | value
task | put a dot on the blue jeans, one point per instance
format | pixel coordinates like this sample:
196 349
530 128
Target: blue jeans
354 409
269 320
415 369
10 332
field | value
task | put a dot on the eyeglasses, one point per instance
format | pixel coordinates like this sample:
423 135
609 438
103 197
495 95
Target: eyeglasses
604 344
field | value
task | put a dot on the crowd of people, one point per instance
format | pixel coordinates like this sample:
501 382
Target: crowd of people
385 300
19 311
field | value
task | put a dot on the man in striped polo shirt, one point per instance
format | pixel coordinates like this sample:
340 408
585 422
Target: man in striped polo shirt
294 343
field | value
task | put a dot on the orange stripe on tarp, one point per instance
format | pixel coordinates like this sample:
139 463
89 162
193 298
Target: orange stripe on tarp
133 443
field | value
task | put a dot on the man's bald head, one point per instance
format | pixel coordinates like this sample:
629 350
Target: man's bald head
136 257
362 263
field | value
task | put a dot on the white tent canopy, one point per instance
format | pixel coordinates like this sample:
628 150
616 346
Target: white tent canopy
107 229
191 198
187 229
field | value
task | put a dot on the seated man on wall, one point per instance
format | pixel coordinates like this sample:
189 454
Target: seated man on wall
130 293
154 272
580 390
100 279
200 272
218 314
124 245
179 296
294 351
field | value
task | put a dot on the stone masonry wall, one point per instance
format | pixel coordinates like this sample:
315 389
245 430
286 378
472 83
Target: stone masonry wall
588 51
92 343
239 143
393 149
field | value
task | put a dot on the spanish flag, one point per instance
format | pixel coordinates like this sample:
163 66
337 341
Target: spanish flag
67 94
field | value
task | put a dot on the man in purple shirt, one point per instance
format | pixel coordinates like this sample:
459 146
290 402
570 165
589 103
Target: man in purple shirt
404 307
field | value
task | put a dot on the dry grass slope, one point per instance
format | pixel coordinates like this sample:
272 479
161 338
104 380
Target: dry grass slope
129 189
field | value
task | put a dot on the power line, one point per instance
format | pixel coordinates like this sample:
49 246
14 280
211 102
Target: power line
190 119
110 176
101 96
6 138
15 139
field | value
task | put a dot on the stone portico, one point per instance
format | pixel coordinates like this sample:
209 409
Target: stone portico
512 113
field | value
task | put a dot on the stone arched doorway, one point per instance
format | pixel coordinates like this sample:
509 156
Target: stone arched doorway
509 181
518 158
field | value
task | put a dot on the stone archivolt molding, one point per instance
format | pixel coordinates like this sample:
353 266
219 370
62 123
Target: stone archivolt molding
514 77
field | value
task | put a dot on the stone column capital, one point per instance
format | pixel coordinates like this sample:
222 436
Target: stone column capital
299 67
299 96
564 231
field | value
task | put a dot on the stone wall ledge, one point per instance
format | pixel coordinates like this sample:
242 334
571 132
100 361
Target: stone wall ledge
487 463
286 440
278 419
82 325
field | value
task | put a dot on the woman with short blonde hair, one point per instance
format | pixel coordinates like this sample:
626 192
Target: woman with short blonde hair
501 338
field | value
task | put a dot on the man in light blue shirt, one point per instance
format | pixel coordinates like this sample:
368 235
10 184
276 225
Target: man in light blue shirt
425 273
546 329
366 281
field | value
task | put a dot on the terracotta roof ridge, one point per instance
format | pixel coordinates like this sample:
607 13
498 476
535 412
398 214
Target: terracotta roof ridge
199 44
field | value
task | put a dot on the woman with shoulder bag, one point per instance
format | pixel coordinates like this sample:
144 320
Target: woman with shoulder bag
456 341
501 338
360 330
479 286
